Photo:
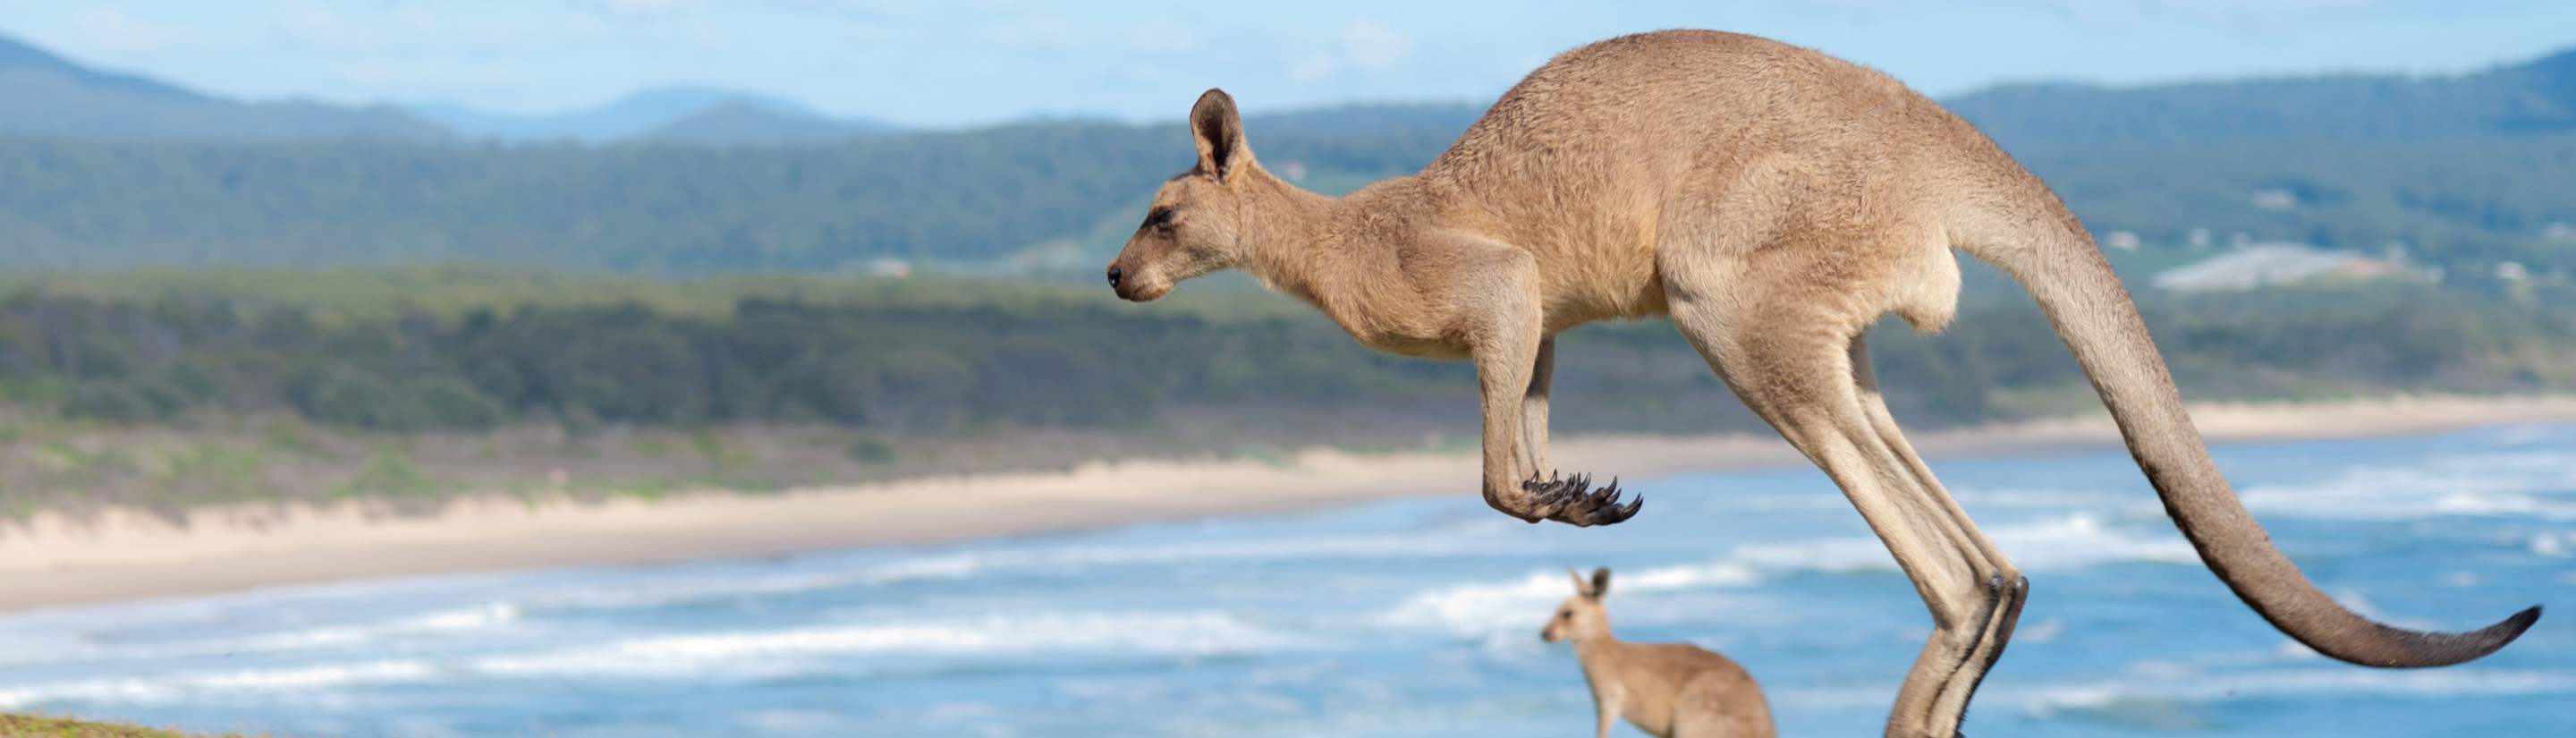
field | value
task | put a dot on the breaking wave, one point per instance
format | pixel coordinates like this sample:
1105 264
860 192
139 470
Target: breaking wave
1164 634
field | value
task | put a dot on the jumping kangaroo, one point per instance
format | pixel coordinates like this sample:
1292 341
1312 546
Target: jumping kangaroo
1774 201
1668 690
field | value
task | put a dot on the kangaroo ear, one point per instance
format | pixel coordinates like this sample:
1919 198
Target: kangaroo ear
1581 587
1600 582
1219 133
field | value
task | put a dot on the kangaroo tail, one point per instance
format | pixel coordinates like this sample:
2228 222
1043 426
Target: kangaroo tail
2053 258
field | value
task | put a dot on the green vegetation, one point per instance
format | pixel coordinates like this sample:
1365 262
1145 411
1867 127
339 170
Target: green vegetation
949 356
2533 97
2465 172
165 391
940 197
1059 197
2460 204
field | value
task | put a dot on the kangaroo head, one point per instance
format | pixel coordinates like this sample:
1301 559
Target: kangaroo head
1197 222
1582 615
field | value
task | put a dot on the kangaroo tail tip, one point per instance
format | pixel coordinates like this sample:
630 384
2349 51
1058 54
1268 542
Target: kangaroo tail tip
2478 643
2513 627
2503 632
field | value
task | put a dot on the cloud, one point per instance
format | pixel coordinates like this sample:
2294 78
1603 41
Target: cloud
2217 13
1372 45
1363 46
114 29
642 6
2220 14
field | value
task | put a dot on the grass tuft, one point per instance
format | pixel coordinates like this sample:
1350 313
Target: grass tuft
36 726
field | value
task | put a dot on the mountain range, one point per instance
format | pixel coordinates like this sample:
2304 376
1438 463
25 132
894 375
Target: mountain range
2474 173
2535 97
45 95
704 115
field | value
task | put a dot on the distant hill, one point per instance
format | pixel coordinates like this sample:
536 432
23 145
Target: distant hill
745 122
17 57
1365 119
667 114
2521 99
2464 171
2461 172
45 95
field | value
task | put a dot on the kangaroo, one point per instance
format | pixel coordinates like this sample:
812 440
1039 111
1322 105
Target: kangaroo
1773 202
1668 690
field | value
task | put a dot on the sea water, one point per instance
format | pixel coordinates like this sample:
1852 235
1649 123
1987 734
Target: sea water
1415 617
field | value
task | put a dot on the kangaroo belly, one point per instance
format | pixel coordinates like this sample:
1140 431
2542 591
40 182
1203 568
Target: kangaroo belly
1408 338
1611 275
1424 347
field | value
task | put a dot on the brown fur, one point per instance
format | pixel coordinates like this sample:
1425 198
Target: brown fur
1774 202
1668 690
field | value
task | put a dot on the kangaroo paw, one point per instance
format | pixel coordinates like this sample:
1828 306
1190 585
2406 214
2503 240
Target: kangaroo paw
1573 501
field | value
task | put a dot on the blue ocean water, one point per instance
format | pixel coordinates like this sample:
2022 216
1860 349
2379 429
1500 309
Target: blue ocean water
1406 618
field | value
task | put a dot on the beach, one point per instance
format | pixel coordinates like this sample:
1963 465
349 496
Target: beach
51 559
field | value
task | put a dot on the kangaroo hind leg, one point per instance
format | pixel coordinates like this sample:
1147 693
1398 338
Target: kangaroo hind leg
1792 361
2004 583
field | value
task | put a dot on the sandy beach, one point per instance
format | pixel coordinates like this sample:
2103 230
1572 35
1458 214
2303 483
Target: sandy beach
51 560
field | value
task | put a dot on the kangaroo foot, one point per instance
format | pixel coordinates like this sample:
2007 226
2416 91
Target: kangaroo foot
1573 501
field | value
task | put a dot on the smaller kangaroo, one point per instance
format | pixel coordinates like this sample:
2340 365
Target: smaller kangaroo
1668 690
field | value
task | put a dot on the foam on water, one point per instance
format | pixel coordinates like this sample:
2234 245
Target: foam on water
1162 634
1184 634
958 565
2060 543
435 623
2064 542
2523 484
148 689
2193 686
1484 609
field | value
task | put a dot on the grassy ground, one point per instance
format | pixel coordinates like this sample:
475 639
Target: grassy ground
360 294
223 426
48 463
32 726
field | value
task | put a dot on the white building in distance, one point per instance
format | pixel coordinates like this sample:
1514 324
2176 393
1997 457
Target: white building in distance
2269 264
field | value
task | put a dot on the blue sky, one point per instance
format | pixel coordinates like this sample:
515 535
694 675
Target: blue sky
964 62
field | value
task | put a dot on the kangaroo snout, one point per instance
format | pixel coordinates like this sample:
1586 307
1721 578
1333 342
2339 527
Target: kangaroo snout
1119 283
1133 285
1122 281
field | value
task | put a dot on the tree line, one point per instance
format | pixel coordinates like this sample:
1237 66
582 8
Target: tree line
972 200
933 369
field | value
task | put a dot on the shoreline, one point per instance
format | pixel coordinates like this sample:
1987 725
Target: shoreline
52 560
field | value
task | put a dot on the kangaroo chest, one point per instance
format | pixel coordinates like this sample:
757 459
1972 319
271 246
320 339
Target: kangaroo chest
1406 327
1425 346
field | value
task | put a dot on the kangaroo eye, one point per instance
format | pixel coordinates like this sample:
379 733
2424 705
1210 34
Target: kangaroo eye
1565 616
1158 217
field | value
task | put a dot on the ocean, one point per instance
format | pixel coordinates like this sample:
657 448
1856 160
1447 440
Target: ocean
1413 617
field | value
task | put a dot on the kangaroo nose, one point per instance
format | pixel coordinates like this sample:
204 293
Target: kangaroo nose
1114 274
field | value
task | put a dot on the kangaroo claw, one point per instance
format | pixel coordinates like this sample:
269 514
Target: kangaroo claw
1573 501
